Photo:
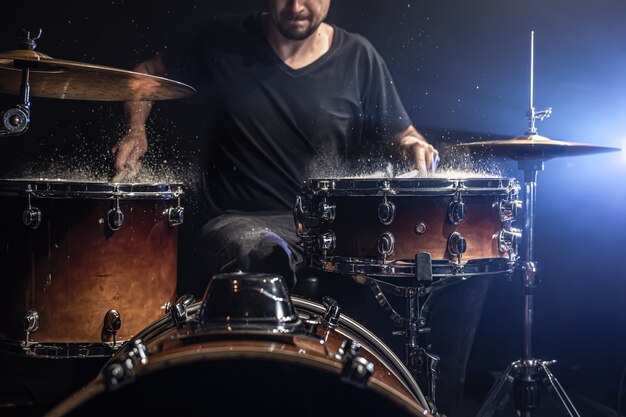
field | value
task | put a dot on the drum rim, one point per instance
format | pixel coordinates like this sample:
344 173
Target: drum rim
61 188
353 265
410 186
383 353
254 351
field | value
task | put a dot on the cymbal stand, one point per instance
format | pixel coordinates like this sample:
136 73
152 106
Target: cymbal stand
16 119
525 374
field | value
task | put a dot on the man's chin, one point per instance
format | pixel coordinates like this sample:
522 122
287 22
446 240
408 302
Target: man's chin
296 31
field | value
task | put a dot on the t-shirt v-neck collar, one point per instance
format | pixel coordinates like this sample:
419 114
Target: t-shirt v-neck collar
296 72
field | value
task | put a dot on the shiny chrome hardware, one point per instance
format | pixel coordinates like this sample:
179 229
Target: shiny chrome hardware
386 243
332 313
457 245
508 210
31 321
356 369
326 211
175 215
420 228
327 241
178 311
31 217
386 212
507 240
115 219
457 211
112 321
120 373
348 349
139 352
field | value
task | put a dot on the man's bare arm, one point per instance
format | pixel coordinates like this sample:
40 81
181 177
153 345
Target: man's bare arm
134 144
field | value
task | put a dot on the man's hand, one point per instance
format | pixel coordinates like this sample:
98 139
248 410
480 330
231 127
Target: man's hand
128 152
414 146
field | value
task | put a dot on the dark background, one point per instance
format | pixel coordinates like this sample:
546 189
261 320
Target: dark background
462 69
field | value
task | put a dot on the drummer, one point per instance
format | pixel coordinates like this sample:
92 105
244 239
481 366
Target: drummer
283 90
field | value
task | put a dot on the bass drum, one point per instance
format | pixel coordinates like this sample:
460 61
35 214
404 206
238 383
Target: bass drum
172 368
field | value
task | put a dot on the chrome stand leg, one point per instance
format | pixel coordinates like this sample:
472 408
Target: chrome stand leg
524 376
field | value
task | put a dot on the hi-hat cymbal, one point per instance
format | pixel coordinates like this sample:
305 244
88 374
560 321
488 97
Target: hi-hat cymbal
534 147
56 78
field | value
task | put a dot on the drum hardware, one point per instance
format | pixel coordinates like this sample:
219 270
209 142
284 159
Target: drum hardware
386 211
422 362
179 311
31 323
120 373
356 369
31 217
115 217
457 246
70 253
112 323
531 151
16 119
359 358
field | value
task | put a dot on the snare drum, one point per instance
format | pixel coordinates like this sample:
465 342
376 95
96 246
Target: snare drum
85 265
305 366
376 227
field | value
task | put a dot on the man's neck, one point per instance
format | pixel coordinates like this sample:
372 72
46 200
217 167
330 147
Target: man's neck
300 53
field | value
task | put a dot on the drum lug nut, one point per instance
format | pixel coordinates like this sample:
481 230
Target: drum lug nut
357 371
457 245
31 321
115 219
333 312
178 311
327 211
112 323
175 216
327 241
507 240
386 212
507 210
31 217
386 244
457 211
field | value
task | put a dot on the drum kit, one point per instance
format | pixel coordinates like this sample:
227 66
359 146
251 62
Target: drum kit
80 254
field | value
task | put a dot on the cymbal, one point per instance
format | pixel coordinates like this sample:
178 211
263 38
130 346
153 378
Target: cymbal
534 147
57 78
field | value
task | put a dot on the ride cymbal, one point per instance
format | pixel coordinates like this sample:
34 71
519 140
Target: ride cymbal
534 147
57 78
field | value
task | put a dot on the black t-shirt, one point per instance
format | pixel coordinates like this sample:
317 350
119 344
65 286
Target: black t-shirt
271 126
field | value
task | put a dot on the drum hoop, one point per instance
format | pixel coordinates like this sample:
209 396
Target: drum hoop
400 371
257 352
89 190
51 350
383 353
409 186
403 268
